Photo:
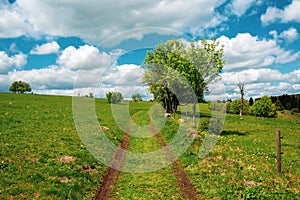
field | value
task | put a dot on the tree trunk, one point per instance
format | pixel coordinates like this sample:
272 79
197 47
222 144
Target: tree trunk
194 111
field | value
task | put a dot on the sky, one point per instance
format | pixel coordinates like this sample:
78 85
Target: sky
75 47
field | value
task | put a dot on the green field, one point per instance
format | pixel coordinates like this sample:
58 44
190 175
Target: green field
37 131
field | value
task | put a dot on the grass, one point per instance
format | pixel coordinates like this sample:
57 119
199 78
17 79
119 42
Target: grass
243 162
37 130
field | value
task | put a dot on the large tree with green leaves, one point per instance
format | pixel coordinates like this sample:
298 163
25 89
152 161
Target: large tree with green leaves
136 97
174 66
263 108
20 87
114 97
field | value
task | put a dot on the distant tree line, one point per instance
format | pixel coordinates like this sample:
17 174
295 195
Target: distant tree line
287 102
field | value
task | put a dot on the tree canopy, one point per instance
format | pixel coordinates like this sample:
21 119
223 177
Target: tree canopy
179 72
114 97
20 87
263 108
136 97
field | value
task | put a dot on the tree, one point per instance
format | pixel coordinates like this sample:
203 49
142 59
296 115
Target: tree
136 97
278 105
241 86
251 101
235 107
170 64
263 108
288 106
114 97
20 87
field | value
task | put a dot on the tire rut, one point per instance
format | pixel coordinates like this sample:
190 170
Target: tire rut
109 179
184 184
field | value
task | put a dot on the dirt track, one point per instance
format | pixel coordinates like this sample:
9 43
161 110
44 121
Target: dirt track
112 173
187 188
108 181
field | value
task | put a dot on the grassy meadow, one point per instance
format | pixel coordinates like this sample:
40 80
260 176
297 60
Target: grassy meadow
38 131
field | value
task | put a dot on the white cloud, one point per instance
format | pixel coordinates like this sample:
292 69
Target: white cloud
239 7
9 62
12 23
287 14
48 48
248 52
86 57
264 75
260 82
97 20
290 35
124 75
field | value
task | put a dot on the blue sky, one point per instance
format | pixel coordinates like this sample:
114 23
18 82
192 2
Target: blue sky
97 46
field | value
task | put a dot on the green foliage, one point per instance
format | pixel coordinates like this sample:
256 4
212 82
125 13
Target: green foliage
278 105
136 97
236 105
288 106
174 67
263 108
114 97
20 87
228 106
294 110
251 101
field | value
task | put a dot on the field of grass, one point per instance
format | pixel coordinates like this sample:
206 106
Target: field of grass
36 131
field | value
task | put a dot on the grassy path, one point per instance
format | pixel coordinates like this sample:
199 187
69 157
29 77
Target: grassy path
170 182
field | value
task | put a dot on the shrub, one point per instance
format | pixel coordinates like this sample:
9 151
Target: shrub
288 106
228 105
235 107
294 110
114 97
278 105
263 108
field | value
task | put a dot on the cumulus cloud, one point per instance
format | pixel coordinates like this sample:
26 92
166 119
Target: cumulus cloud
124 75
246 51
86 57
98 20
48 48
260 82
9 62
287 14
12 22
239 7
290 35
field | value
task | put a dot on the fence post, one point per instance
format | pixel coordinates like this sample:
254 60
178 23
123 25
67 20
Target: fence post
278 151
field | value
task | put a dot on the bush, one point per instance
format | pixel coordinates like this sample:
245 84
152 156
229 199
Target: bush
235 107
263 108
294 110
228 106
278 105
114 97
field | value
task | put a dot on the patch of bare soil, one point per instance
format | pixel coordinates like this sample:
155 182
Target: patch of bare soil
67 159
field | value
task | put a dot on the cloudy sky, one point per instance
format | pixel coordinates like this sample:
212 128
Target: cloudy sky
98 45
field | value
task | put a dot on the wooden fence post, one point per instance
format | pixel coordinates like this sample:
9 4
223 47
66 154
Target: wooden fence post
278 150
